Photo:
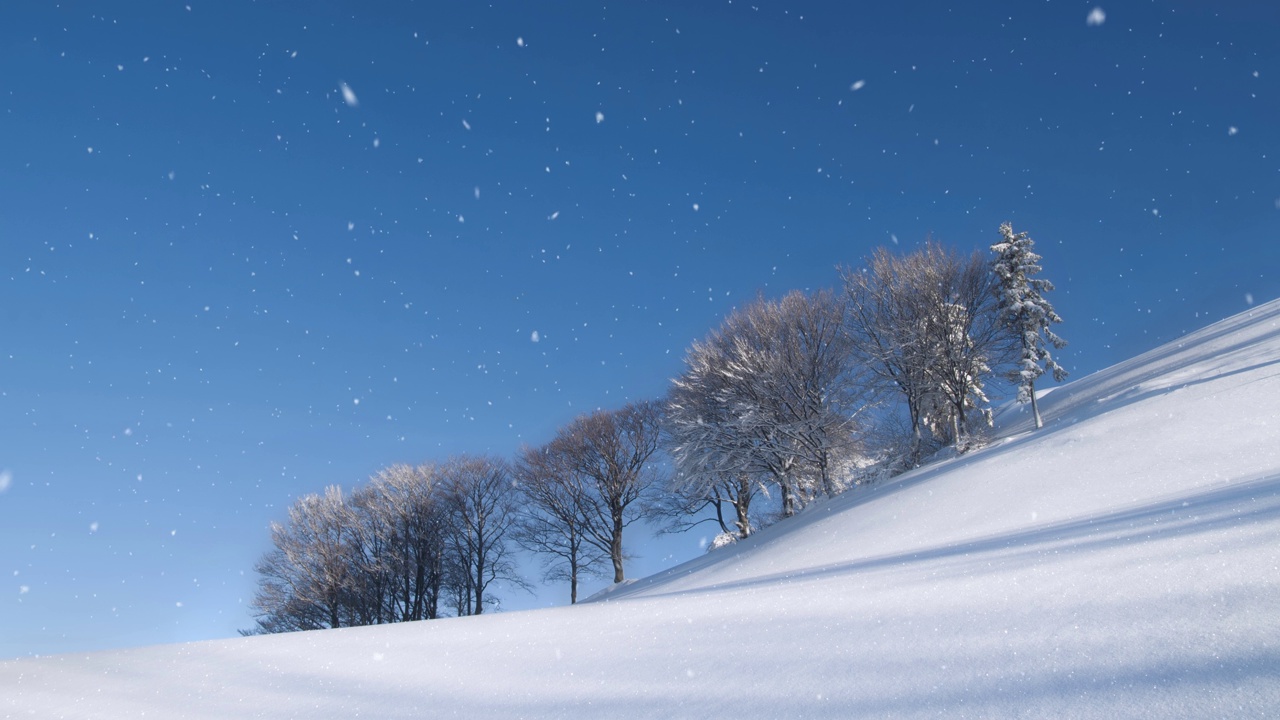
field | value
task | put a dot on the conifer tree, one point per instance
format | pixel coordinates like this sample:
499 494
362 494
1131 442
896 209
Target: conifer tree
1026 313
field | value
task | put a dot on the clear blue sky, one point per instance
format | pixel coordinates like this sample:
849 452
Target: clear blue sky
226 282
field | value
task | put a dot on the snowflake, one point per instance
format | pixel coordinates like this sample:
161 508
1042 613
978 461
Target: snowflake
348 95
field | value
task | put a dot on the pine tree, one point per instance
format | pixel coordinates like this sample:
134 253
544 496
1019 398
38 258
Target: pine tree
1026 312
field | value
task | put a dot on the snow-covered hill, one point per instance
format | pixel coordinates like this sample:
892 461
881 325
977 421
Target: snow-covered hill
1122 562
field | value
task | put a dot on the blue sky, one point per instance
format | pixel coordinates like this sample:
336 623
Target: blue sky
226 281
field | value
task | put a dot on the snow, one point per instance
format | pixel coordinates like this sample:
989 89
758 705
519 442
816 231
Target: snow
348 95
1121 562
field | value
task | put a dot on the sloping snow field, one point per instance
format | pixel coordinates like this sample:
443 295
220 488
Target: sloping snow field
1122 562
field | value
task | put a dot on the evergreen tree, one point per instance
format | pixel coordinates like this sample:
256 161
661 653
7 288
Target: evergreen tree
1026 312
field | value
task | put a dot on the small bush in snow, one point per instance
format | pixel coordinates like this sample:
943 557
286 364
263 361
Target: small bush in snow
722 540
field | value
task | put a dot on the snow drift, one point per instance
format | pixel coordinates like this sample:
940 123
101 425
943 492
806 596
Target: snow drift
1123 561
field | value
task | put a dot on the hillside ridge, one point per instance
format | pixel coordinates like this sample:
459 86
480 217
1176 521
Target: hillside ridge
1122 561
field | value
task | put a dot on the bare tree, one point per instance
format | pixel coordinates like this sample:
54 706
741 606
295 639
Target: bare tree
409 518
720 493
607 456
483 512
370 572
554 521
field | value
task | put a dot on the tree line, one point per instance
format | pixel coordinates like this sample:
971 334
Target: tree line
787 400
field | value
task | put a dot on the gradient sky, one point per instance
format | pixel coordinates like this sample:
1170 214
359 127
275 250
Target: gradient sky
248 250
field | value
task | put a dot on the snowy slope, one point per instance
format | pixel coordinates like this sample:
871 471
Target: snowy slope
1124 561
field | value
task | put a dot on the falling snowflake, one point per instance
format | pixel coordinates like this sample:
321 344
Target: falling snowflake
466 124
535 337
520 41
599 117
1248 298
858 85
1096 17
1233 130
348 95
6 479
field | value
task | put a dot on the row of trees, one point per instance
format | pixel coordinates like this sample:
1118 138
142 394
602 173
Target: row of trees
803 395
789 399
415 540
412 540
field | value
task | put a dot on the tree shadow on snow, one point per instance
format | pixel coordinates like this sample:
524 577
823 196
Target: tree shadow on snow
1237 504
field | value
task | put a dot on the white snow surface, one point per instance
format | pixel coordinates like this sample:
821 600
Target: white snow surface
1122 562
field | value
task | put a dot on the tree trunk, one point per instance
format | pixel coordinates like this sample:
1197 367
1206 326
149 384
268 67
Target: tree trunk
479 582
1035 409
615 547
916 438
573 579
743 522
824 469
419 591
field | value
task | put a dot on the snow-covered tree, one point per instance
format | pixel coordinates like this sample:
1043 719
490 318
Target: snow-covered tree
814 404
392 549
305 579
765 399
962 334
1026 313
715 464
924 327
